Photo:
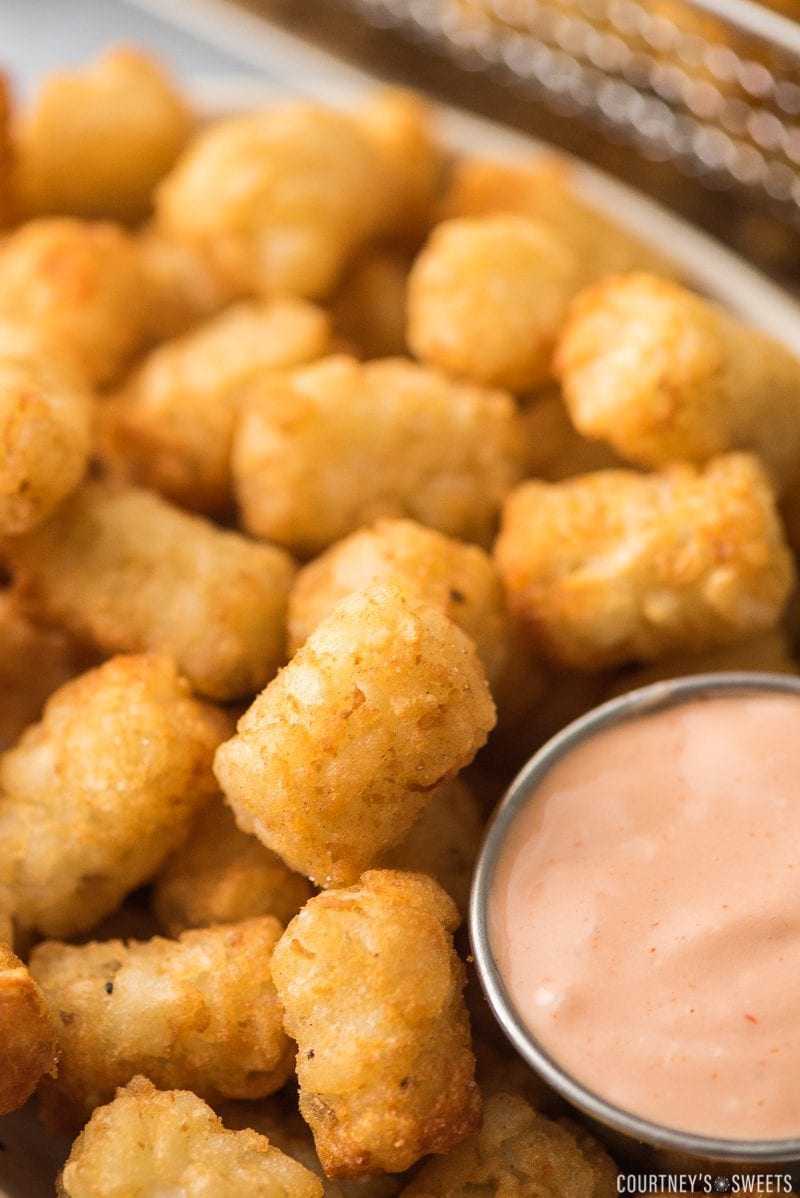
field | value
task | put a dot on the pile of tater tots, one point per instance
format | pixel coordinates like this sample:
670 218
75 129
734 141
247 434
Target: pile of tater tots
328 464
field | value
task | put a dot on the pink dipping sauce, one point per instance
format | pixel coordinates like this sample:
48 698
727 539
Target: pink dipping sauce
645 916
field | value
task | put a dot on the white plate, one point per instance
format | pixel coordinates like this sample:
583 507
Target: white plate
29 1160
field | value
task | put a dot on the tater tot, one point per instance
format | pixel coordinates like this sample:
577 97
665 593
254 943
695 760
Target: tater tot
170 427
279 199
181 283
148 1143
199 1012
97 140
339 756
369 308
222 875
542 189
81 286
444 842
460 579
34 661
45 417
662 375
28 1042
128 572
384 1060
518 1153
95 797
556 450
617 566
320 451
399 126
487 298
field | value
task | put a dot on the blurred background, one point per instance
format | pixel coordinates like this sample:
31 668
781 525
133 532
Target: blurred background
697 104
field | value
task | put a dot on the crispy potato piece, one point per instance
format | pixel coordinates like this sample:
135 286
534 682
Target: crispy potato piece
460 579
7 197
487 298
34 661
444 842
45 417
97 140
171 425
661 374
616 566
81 287
199 1012
28 1042
222 875
278 199
128 572
399 126
384 1059
338 757
542 190
147 1143
182 285
556 450
280 1121
369 308
325 449
518 1153
95 797
770 651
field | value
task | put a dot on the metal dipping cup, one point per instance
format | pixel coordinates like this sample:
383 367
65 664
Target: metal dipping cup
635 1141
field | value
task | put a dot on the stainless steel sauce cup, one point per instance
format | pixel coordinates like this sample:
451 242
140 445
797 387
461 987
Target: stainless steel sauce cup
639 1142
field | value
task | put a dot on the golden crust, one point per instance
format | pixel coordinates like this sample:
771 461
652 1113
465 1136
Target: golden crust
616 566
170 427
325 449
28 1041
182 285
384 1059
99 793
278 199
487 297
222 875
518 1153
147 1143
661 375
318 769
199 1012
128 572
97 140
81 287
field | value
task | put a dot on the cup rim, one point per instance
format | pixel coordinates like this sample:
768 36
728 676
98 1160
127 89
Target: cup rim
629 706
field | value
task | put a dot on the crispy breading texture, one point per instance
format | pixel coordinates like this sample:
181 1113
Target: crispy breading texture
170 427
95 797
384 1059
460 579
444 842
617 566
542 189
96 140
222 875
487 298
278 199
125 570
324 449
399 126
80 285
28 1040
34 661
199 1012
663 375
182 284
516 1154
147 1143
339 756
45 417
